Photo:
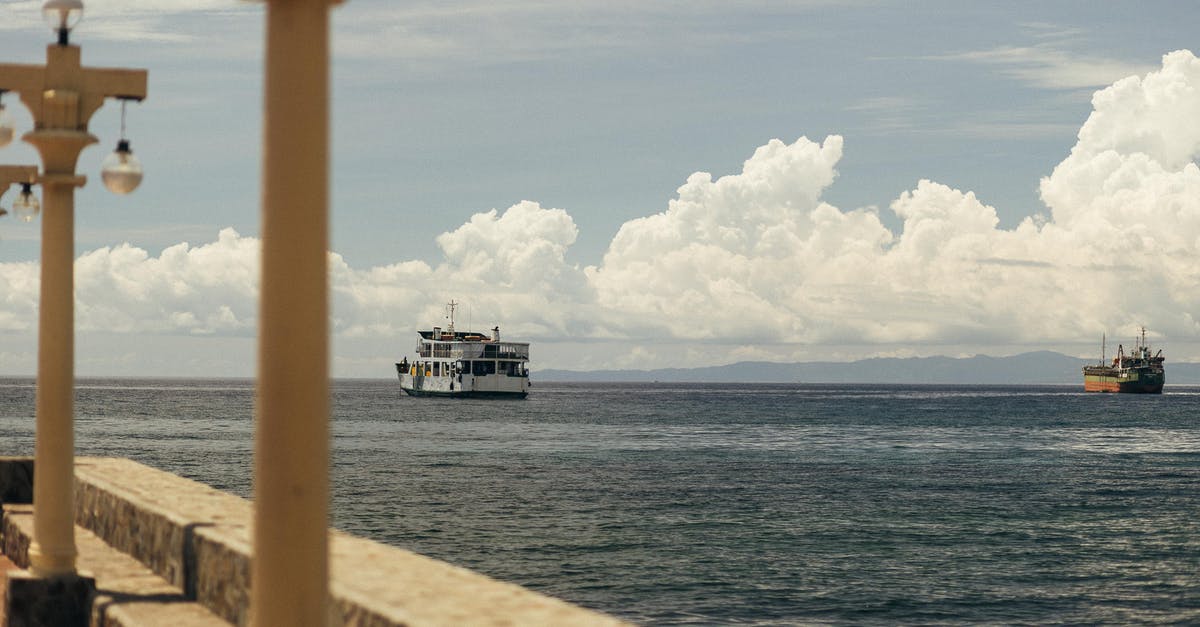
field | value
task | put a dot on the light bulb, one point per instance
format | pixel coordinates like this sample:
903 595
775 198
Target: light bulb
26 206
121 171
62 16
6 127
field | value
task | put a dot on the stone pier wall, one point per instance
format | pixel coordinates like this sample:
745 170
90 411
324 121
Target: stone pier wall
198 539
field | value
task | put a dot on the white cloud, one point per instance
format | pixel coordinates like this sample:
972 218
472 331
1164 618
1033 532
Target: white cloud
1053 61
200 290
508 266
1046 66
750 264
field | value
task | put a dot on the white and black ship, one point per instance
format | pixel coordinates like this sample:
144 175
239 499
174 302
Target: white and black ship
465 364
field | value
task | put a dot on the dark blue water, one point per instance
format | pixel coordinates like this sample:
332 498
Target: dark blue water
734 504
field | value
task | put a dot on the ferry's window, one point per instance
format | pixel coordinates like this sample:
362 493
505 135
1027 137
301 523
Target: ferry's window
437 368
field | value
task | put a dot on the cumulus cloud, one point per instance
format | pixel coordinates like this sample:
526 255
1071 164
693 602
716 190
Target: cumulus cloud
758 249
199 290
508 266
756 259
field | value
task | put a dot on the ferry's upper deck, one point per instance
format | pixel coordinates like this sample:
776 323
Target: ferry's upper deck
469 345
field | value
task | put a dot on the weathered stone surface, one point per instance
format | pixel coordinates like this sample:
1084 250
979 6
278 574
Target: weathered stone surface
16 539
147 513
222 570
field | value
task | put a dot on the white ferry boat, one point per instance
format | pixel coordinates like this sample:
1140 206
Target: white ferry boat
465 364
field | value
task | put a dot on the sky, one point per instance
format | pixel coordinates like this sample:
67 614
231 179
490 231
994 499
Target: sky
647 184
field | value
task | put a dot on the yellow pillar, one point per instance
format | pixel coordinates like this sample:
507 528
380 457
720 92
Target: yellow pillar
291 469
52 551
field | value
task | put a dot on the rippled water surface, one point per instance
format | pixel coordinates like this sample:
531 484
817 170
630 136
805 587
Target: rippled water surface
734 504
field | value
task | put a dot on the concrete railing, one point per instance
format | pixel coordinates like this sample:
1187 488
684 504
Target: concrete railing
198 539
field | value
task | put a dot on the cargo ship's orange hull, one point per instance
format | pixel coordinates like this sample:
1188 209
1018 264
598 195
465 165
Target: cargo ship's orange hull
1100 386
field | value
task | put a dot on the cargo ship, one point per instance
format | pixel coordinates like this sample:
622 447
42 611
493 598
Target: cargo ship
452 363
1136 373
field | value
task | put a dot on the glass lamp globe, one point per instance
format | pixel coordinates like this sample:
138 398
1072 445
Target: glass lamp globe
62 15
6 127
121 171
26 206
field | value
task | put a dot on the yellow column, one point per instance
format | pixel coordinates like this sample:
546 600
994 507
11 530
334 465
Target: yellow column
52 551
291 485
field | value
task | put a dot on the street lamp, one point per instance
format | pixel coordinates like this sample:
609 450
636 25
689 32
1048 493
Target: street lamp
26 206
121 171
24 175
62 16
61 95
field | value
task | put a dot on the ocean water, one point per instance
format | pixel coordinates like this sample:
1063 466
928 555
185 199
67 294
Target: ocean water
671 504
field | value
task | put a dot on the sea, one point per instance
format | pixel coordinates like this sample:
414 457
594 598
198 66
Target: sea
734 504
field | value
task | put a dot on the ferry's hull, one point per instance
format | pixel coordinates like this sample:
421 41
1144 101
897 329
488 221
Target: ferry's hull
464 386
1132 383
463 394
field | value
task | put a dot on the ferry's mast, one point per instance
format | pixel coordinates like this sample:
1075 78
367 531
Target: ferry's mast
451 306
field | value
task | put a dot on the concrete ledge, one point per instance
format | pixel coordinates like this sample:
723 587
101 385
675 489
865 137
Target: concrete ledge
150 514
17 538
198 539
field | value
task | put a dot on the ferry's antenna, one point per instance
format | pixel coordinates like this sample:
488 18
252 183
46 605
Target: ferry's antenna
451 306
1103 348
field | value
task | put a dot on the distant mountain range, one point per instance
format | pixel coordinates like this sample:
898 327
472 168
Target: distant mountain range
1041 367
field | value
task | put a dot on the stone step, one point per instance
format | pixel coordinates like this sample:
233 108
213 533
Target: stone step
128 594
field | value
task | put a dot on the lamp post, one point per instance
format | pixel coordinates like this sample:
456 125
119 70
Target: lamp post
61 95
